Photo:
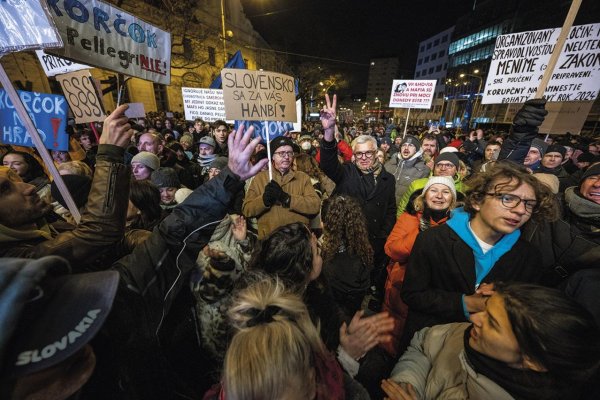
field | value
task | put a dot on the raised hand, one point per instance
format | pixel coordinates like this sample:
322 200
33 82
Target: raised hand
328 117
241 149
116 129
365 333
239 230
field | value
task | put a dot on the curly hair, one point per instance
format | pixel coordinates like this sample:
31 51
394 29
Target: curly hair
510 176
345 226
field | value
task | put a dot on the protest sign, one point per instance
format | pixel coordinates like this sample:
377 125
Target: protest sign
274 128
203 103
135 110
105 36
412 93
48 113
258 95
520 59
565 117
26 25
82 96
54 65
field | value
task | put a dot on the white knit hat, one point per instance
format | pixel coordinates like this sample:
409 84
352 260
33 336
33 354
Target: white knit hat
444 180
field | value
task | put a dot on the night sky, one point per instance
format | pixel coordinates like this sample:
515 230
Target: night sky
353 31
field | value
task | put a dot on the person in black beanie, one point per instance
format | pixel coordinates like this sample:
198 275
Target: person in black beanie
552 164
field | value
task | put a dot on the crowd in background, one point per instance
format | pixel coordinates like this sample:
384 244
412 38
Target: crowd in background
363 262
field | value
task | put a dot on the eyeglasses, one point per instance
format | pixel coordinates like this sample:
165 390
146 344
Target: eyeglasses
284 154
511 201
364 154
444 166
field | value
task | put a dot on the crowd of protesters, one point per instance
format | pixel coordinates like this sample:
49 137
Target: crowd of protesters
361 263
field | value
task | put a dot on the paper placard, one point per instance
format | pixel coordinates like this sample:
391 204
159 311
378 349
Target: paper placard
412 93
84 101
26 24
258 95
54 65
48 113
105 36
274 128
207 104
135 110
520 59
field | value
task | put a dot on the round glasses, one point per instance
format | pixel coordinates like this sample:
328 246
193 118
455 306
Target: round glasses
512 201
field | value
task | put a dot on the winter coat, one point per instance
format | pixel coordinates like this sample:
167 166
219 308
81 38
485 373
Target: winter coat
304 201
212 283
441 269
569 244
377 199
436 366
349 280
98 239
398 247
406 171
152 329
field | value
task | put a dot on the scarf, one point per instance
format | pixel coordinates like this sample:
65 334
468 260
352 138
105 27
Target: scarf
459 223
522 384
582 207
375 169
205 161
428 215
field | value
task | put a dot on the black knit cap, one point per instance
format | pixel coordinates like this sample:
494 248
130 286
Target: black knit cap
453 158
556 148
79 186
280 141
165 177
591 171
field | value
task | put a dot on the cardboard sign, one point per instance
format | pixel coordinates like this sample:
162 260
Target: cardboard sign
136 110
207 104
258 95
566 117
105 36
273 128
54 65
49 114
412 93
26 25
520 59
84 101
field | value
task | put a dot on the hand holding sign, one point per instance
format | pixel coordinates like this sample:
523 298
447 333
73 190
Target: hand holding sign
328 117
117 130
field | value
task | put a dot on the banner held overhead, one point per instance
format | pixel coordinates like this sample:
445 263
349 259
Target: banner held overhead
102 35
258 95
407 93
520 59
54 65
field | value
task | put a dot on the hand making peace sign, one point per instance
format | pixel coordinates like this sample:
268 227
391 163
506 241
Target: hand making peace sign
328 117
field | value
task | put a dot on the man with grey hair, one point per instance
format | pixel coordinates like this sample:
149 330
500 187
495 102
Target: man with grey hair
367 181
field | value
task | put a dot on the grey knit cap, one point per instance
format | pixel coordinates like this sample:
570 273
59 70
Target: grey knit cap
165 177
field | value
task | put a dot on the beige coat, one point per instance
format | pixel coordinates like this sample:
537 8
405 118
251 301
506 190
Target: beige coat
304 201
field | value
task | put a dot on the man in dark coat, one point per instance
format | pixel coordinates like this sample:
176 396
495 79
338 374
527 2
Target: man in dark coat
452 268
367 181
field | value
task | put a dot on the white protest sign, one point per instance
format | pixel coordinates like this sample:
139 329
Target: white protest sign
135 110
26 25
105 36
54 65
84 101
207 104
519 61
412 93
258 95
298 123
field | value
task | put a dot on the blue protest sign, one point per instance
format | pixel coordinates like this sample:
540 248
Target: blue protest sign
47 111
274 128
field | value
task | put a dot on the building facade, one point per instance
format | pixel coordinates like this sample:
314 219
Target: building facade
382 72
197 57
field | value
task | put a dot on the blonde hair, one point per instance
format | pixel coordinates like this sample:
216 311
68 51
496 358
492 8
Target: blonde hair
75 168
272 354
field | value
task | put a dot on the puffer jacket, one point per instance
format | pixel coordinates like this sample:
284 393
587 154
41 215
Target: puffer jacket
152 330
92 244
437 367
406 171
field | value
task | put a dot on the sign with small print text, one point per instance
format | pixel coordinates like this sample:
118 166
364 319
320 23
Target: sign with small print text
412 93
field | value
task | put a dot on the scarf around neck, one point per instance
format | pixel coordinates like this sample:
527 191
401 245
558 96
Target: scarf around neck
522 384
582 207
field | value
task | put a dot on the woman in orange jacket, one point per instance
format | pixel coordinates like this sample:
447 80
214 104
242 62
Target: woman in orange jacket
431 208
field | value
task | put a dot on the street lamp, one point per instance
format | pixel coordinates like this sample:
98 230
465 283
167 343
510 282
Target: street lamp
477 100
